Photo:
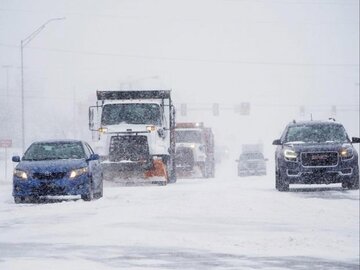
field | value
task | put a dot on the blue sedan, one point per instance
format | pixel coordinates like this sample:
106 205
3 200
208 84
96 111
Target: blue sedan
56 168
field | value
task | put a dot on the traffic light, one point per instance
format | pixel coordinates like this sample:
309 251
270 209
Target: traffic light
243 108
183 109
333 110
302 110
215 109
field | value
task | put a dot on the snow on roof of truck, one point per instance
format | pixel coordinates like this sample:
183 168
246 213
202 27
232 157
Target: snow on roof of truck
133 94
190 125
133 101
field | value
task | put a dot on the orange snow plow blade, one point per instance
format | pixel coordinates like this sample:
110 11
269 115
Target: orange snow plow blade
159 170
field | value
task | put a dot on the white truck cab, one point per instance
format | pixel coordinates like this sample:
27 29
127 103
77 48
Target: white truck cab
131 129
194 149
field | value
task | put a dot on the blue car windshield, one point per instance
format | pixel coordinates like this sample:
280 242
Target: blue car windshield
55 150
316 133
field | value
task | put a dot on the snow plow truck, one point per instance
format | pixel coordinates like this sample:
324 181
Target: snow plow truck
134 133
194 149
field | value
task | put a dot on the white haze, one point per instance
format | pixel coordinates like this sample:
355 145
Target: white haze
278 55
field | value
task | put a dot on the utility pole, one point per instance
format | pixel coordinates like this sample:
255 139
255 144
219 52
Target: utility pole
23 43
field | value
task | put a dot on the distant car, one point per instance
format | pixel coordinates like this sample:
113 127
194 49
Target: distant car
251 163
66 167
316 152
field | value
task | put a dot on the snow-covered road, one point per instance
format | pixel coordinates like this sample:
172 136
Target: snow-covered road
222 223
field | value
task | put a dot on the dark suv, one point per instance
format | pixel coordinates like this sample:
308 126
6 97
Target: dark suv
316 152
251 163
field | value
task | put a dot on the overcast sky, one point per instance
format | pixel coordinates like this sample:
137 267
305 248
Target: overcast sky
275 54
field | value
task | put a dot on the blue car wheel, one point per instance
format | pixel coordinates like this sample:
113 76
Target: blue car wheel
26 199
89 196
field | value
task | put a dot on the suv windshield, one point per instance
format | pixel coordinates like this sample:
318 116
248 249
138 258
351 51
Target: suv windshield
188 136
55 150
135 113
318 133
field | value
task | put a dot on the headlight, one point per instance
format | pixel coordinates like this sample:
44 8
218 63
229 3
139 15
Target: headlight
78 172
193 146
103 130
150 128
290 154
21 174
346 152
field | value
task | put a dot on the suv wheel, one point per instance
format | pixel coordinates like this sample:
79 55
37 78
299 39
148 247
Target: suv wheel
354 184
280 183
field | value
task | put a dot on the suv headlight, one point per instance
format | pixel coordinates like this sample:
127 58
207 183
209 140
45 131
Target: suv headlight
21 174
346 152
78 172
290 154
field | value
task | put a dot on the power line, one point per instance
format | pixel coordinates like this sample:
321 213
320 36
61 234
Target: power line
184 19
299 2
179 59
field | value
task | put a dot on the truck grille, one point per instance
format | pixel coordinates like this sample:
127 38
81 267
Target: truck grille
319 159
49 176
131 148
184 157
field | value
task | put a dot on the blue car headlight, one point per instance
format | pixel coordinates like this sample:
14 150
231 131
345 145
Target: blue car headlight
78 172
20 174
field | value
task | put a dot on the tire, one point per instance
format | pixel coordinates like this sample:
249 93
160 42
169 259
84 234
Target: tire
212 174
203 170
280 183
170 169
345 185
354 184
19 199
26 199
100 193
211 170
90 195
162 183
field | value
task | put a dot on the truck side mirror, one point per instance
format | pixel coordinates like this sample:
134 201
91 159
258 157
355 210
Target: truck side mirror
277 142
161 133
355 140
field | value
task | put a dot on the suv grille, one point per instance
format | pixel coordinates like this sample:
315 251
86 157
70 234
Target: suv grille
49 176
319 159
134 148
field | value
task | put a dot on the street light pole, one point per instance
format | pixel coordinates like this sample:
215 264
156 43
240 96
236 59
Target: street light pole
23 43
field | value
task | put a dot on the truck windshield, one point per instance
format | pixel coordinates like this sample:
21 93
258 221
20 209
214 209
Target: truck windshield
134 113
54 150
321 133
188 136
